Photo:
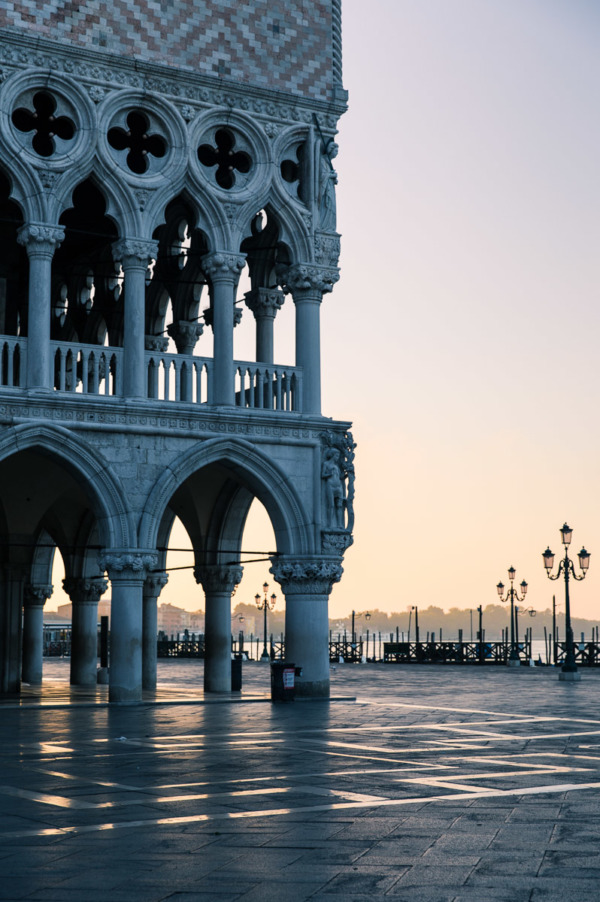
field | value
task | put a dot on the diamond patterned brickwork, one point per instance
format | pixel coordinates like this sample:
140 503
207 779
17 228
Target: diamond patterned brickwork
281 44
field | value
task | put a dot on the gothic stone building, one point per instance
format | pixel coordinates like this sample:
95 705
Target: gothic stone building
151 155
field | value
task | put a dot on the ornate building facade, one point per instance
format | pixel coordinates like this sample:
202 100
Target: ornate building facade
148 160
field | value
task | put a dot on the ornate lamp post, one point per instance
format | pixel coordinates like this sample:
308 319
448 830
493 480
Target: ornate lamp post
266 604
569 669
366 615
512 594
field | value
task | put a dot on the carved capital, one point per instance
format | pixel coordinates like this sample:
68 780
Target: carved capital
223 266
40 239
264 302
36 595
159 343
127 563
306 577
185 335
307 278
82 590
219 577
134 252
154 584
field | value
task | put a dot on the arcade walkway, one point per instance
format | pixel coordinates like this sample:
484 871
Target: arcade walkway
437 784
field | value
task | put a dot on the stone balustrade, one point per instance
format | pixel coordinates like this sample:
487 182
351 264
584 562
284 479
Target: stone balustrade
268 387
13 362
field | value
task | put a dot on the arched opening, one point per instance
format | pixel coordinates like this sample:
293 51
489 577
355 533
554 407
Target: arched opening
86 283
14 268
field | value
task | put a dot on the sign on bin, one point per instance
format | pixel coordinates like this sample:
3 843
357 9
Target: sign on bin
288 677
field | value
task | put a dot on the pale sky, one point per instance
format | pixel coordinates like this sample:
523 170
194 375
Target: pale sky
462 337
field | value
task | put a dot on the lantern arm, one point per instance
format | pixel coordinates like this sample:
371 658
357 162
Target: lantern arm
573 574
560 571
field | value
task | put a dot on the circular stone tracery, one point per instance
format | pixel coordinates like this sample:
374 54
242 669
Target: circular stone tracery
226 160
49 131
138 142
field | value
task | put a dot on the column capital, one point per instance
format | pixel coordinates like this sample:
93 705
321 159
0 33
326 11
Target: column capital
223 266
301 576
185 335
35 595
155 583
156 343
264 302
134 252
85 590
127 563
219 577
307 279
40 238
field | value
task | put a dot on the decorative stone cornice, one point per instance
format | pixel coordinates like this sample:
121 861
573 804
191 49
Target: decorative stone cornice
264 302
123 562
85 590
36 595
223 266
134 252
154 584
40 239
307 278
219 577
306 577
185 335
158 343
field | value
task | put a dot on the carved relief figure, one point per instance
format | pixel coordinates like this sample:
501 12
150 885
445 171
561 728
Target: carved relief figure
327 183
332 475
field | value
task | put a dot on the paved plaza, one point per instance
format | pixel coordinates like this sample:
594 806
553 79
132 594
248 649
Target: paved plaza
436 784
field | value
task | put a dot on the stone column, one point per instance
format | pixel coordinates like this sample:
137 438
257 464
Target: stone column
41 241
11 603
307 283
153 586
218 582
34 599
264 304
85 593
223 270
134 254
127 571
306 585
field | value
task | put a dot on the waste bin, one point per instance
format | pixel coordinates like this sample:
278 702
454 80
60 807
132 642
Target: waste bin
236 673
283 681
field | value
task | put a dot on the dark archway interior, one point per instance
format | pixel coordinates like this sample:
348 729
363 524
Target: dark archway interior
14 268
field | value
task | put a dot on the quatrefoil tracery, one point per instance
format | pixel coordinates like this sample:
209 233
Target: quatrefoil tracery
137 141
44 123
225 158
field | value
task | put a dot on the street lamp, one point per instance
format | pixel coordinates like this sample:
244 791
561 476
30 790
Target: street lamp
266 604
366 615
512 594
569 669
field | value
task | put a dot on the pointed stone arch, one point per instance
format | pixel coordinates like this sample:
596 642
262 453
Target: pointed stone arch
254 471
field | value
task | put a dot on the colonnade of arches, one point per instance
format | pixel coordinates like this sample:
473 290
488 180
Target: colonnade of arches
57 493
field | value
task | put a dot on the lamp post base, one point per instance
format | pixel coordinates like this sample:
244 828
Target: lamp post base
265 657
513 662
569 676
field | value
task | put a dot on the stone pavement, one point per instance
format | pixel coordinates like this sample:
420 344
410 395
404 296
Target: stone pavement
438 784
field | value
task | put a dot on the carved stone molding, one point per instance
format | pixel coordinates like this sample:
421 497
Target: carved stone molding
327 248
335 541
223 266
264 302
134 251
36 595
124 563
40 239
157 343
219 577
83 590
307 277
185 335
306 577
154 584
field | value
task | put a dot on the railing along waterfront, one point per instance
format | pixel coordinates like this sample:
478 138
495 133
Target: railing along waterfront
13 362
268 387
87 369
